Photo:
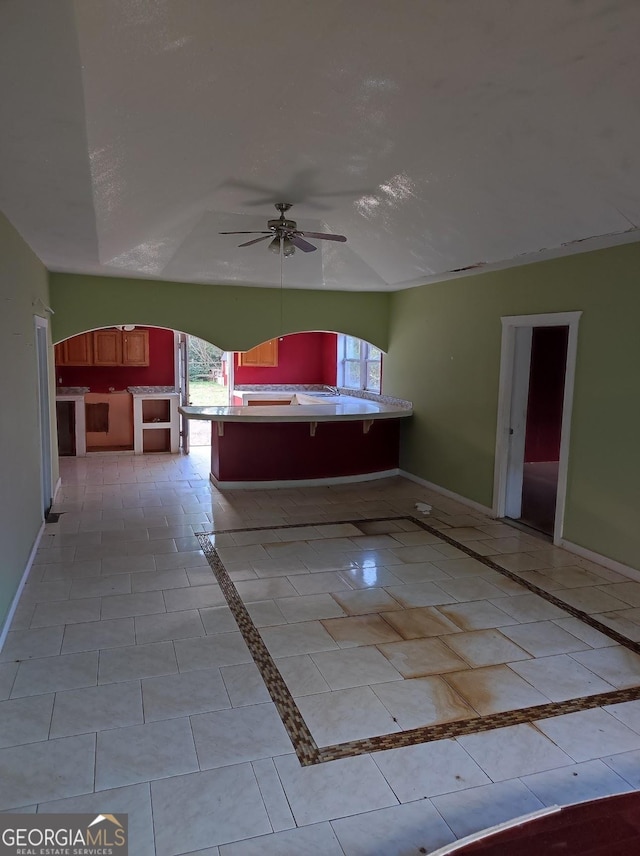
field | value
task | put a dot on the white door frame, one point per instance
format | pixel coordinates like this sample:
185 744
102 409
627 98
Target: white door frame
44 412
511 377
181 353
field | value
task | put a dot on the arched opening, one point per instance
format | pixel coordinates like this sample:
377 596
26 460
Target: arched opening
119 388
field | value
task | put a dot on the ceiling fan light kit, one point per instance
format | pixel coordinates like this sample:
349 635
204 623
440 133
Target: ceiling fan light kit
285 235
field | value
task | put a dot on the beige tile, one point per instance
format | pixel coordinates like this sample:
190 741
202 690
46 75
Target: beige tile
266 613
420 594
347 714
570 577
218 619
195 597
366 601
315 840
284 566
66 612
467 567
485 648
529 607
222 805
543 638
134 800
184 694
627 592
587 634
125 756
361 630
157 580
203 576
422 701
228 737
354 667
274 799
518 750
421 771
319 583
305 637
172 561
477 615
72 758
617 666
493 689
420 622
98 634
561 677
24 721
518 561
591 599
137 661
418 553
589 734
339 789
222 649
53 674
309 607
419 657
167 626
130 605
470 588
267 589
46 592
369 577
101 586
26 644
403 829
301 675
96 708
244 684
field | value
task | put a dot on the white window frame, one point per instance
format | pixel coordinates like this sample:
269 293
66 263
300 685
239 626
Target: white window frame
364 361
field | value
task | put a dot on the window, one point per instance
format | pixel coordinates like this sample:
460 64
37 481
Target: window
359 364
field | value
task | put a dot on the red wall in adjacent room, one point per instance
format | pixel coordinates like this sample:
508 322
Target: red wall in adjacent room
546 392
302 358
159 372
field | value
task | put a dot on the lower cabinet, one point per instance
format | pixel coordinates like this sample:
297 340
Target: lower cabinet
156 423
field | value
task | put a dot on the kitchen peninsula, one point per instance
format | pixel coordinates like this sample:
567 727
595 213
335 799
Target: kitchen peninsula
303 437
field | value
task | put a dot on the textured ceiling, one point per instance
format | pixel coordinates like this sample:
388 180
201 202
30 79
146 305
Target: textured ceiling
438 135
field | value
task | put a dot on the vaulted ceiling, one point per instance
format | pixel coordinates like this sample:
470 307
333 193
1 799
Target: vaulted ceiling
437 135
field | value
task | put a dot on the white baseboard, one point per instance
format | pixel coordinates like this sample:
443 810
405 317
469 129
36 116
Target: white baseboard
599 559
436 488
267 485
23 580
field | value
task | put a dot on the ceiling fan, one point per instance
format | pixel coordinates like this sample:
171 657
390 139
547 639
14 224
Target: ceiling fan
285 233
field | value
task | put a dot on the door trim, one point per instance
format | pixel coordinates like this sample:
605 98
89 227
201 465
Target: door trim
510 323
42 345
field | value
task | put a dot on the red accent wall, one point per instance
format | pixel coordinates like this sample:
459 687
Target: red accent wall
302 358
159 372
546 392
255 451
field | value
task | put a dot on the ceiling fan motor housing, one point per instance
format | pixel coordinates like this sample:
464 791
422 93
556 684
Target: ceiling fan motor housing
288 225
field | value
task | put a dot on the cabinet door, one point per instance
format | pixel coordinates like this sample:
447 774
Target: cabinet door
135 348
265 354
76 351
107 348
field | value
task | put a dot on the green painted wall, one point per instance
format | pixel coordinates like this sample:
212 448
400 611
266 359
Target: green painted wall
23 290
444 355
233 318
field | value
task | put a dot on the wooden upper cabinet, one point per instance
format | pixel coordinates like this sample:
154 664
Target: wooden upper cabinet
135 348
76 351
107 348
265 354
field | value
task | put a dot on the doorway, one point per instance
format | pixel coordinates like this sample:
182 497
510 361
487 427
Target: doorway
42 356
536 392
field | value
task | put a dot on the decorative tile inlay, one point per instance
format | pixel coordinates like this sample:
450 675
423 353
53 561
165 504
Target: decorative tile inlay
306 748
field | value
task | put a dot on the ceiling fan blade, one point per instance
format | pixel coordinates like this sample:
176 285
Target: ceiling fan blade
253 232
323 236
301 244
256 240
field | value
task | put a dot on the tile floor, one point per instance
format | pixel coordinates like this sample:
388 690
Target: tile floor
127 685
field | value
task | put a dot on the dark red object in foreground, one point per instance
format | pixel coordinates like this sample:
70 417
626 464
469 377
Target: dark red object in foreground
603 827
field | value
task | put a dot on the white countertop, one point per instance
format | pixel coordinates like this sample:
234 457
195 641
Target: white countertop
335 408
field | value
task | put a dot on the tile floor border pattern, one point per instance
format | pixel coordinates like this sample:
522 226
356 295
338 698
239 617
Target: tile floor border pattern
307 750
